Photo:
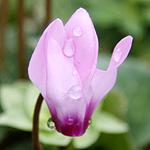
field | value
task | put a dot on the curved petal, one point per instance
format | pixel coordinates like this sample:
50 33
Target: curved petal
81 29
38 64
120 52
71 119
102 83
59 74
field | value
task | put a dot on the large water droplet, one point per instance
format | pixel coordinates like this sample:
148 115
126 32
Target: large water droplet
69 48
117 55
90 122
70 121
51 124
75 72
77 31
75 92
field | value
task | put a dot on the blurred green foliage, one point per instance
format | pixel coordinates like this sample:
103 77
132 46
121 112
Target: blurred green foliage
129 100
18 102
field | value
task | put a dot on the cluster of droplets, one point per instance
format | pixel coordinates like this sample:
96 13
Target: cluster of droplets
75 92
70 121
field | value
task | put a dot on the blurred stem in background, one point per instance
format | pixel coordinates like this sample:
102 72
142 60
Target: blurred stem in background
21 39
48 12
3 22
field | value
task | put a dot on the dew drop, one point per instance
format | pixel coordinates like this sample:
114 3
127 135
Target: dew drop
75 72
90 122
117 55
77 31
75 92
69 48
70 121
51 124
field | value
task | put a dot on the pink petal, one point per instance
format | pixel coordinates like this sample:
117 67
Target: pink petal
60 74
102 83
38 63
120 52
81 29
70 119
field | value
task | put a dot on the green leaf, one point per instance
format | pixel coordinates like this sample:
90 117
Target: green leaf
116 142
49 137
116 103
16 119
12 95
109 123
90 137
133 80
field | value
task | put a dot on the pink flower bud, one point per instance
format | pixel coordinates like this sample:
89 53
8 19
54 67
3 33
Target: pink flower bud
63 67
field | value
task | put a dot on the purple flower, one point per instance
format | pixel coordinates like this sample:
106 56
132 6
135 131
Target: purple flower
63 67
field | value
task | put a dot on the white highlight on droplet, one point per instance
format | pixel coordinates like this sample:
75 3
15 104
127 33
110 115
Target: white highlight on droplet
77 31
51 124
75 72
117 55
90 122
75 92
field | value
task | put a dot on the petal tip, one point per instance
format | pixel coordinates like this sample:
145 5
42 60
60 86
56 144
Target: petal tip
129 38
81 10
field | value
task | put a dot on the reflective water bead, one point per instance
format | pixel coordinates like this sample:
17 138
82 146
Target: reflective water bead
90 122
75 72
70 121
77 31
69 48
51 124
117 55
75 92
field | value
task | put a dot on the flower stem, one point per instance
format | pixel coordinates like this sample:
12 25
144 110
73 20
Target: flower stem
35 130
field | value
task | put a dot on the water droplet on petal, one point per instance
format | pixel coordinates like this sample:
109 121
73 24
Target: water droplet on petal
77 31
69 48
90 122
70 121
51 124
117 55
75 92
75 72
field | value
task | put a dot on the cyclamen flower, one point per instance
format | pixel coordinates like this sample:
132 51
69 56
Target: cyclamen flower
63 67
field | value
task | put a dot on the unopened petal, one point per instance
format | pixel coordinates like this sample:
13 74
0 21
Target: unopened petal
81 29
